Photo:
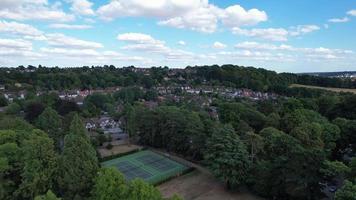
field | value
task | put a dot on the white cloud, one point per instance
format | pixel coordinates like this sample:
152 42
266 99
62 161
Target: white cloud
274 34
236 16
256 55
219 45
10 48
197 15
271 51
59 40
144 43
203 19
70 26
303 29
262 46
82 7
154 8
70 52
36 9
19 29
352 12
15 44
181 42
339 20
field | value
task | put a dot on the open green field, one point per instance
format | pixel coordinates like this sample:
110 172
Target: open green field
325 88
147 165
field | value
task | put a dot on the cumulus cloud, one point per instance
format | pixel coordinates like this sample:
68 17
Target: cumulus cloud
197 15
10 48
15 44
236 16
203 19
339 20
219 45
153 8
303 29
352 12
262 46
62 41
70 26
82 7
19 29
181 42
274 34
32 9
140 42
301 53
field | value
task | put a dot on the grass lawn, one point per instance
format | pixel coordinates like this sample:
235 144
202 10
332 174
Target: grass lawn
325 88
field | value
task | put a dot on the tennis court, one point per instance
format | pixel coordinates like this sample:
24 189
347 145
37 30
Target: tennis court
152 167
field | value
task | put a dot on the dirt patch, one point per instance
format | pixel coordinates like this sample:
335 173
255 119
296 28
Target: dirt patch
325 88
198 185
119 149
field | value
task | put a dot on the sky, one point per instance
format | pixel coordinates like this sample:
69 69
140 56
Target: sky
280 35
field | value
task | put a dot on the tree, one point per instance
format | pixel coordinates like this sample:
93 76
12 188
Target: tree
227 157
13 109
140 190
273 120
255 142
352 166
347 192
79 163
3 101
286 170
51 123
40 165
332 169
48 196
33 109
109 185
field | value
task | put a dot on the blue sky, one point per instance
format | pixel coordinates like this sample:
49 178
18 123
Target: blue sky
285 36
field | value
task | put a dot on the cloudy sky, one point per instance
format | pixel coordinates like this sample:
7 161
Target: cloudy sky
293 36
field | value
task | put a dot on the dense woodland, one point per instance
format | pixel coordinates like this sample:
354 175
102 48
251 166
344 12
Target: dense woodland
284 148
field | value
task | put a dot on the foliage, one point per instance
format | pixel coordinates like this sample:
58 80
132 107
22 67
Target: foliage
140 190
50 122
48 196
109 185
347 192
40 165
13 109
227 157
79 163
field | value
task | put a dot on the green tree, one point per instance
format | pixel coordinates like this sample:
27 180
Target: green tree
352 166
332 169
227 157
13 109
273 120
109 185
347 192
48 196
140 190
40 165
255 142
51 123
3 101
79 163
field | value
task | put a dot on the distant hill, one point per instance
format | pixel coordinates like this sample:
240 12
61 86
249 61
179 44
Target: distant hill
345 74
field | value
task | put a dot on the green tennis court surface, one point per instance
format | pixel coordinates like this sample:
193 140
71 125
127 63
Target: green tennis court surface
147 165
